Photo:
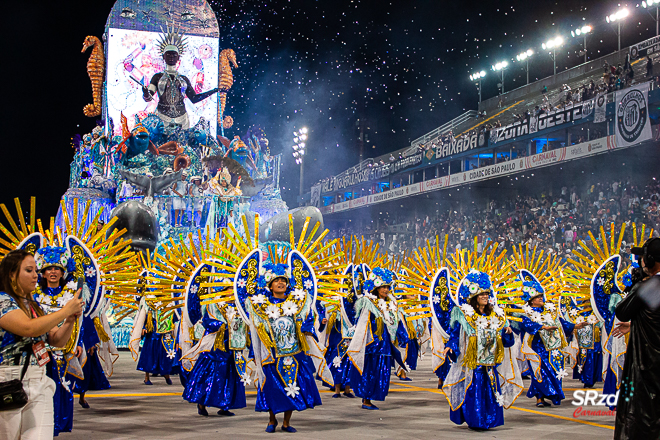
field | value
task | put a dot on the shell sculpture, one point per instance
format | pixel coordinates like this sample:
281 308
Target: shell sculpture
95 70
227 59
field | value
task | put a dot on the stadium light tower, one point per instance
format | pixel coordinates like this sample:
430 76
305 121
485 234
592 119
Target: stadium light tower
299 145
501 67
617 18
653 4
525 57
584 30
478 76
553 44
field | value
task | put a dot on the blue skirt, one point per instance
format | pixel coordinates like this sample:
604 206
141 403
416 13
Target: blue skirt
374 383
214 381
62 401
341 375
592 366
549 387
272 396
443 369
412 354
153 356
93 374
183 374
480 409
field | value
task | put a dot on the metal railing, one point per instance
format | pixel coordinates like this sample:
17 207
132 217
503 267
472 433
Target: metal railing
445 128
588 68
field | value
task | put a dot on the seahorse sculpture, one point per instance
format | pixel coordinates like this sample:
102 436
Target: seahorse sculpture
227 58
95 69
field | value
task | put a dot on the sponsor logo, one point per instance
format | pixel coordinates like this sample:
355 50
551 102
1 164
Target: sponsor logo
631 116
591 398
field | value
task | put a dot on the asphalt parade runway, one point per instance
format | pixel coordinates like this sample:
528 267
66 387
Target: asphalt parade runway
417 409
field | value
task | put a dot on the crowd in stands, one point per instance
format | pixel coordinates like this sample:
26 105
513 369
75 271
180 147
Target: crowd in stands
555 223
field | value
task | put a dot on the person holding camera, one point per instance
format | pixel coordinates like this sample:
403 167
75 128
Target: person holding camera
24 331
638 406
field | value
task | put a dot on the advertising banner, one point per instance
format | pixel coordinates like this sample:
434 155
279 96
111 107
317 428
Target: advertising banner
647 47
632 123
315 199
600 104
553 119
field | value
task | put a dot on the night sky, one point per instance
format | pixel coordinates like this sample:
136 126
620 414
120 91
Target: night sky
403 66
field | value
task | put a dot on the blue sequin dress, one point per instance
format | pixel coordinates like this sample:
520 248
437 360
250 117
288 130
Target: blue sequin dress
480 408
546 384
154 356
93 375
379 357
214 380
337 346
63 397
273 395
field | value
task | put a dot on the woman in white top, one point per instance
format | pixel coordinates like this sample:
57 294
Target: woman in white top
24 326
180 190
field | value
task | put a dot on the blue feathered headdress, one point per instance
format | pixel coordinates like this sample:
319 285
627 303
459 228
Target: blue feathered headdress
51 256
379 277
269 272
531 287
474 283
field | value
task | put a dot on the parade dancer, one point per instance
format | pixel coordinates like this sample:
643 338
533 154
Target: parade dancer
288 374
482 380
214 379
595 283
158 354
52 292
276 299
335 337
372 348
546 336
94 378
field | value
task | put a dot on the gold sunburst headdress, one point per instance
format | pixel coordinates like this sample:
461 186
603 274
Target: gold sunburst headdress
598 271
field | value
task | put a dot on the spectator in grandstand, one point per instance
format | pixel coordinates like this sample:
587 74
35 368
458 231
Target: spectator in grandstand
630 76
649 66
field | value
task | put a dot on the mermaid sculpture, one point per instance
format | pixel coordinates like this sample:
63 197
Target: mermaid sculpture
170 85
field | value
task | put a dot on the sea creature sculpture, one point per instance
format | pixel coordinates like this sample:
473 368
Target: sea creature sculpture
138 141
227 59
95 70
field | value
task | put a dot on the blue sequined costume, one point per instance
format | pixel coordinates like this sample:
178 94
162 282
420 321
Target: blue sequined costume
480 408
272 395
214 380
93 374
155 357
63 397
336 348
589 368
545 383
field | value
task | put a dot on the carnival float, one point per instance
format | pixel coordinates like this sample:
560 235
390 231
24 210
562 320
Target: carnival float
164 164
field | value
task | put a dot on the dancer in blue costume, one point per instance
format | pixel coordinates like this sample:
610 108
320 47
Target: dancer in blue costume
94 377
547 334
335 356
589 365
214 379
158 354
288 383
52 292
482 380
372 350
